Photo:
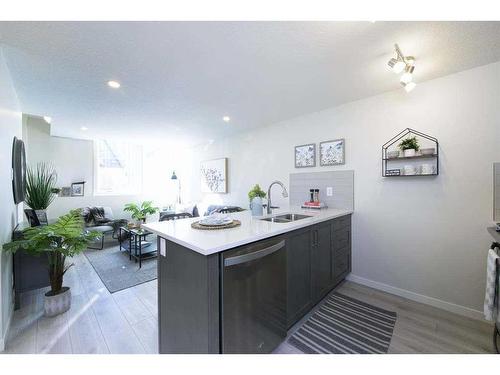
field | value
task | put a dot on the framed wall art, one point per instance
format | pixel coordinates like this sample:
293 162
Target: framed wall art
214 176
332 152
78 189
305 156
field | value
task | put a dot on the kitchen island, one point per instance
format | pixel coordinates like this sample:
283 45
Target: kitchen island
238 290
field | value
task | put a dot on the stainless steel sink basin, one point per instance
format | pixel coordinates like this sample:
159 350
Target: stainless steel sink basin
292 217
285 218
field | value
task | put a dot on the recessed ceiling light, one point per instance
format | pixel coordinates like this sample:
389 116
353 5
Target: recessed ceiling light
47 119
114 84
226 119
84 128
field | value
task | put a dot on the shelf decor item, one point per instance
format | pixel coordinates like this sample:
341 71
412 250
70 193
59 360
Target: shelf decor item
332 152
409 146
305 156
214 176
78 189
393 172
40 192
409 142
65 191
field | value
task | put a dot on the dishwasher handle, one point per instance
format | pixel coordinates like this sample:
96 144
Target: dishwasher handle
232 261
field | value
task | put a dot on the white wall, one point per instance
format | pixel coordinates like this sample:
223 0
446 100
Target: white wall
426 235
10 126
73 160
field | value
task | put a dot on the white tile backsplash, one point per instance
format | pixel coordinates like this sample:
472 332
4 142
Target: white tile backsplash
341 182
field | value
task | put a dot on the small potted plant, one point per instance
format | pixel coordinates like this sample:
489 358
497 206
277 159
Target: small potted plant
409 146
64 238
139 213
255 196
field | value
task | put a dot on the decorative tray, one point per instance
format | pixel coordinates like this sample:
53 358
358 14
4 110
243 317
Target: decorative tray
232 224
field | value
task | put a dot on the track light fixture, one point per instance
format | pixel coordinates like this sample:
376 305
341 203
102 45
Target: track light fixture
403 64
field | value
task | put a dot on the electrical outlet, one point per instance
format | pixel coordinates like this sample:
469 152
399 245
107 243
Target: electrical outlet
329 191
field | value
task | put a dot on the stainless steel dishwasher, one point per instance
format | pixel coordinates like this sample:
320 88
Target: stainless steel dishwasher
253 297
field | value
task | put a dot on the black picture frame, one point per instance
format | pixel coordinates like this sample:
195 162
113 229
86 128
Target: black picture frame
78 189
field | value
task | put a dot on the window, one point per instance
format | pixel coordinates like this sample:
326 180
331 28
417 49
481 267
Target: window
118 168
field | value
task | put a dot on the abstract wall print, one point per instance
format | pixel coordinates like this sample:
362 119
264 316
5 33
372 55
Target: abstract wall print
332 152
305 156
214 176
77 189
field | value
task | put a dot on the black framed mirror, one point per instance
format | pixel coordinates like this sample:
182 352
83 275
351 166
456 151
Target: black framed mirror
18 170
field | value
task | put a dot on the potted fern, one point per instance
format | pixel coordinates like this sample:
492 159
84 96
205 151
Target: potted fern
58 241
255 196
140 213
409 146
40 192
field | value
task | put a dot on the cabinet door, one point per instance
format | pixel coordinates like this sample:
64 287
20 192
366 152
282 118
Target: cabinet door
321 258
298 275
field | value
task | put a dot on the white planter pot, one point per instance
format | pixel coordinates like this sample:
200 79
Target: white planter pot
57 304
256 207
409 153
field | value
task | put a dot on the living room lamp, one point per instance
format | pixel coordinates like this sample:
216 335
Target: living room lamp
176 179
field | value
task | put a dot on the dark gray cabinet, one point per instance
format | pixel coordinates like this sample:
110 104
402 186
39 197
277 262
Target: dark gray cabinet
188 301
319 257
299 297
321 260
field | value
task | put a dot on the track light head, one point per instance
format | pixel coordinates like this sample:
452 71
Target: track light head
406 78
408 86
396 65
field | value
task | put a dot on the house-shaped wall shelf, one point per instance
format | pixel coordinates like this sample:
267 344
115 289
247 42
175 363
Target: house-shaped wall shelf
424 163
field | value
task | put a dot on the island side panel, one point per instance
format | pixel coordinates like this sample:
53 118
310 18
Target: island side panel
188 301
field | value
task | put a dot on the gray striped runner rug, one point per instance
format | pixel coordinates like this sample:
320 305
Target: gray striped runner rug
344 325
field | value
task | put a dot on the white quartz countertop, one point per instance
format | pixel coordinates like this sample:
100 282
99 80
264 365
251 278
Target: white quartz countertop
252 229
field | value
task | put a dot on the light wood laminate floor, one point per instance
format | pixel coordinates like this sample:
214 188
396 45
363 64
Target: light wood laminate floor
126 321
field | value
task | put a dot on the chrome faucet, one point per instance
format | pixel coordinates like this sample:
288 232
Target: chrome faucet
284 193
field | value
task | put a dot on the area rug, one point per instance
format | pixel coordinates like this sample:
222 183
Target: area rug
117 272
344 325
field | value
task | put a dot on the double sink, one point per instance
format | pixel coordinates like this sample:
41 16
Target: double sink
285 218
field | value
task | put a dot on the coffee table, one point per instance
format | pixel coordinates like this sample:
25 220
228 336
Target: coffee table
136 244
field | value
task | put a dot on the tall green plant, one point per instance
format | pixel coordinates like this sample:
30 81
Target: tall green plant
64 238
140 212
40 186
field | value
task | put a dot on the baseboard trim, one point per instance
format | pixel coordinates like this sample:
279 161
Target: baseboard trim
448 306
3 339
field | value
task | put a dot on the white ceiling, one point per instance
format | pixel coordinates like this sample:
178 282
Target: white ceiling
179 78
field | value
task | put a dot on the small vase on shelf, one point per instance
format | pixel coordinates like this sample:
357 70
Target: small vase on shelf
409 152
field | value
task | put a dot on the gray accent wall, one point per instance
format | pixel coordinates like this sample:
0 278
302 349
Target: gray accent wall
496 191
341 182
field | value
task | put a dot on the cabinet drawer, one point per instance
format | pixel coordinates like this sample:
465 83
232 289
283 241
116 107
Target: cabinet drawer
342 263
341 251
341 239
342 222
